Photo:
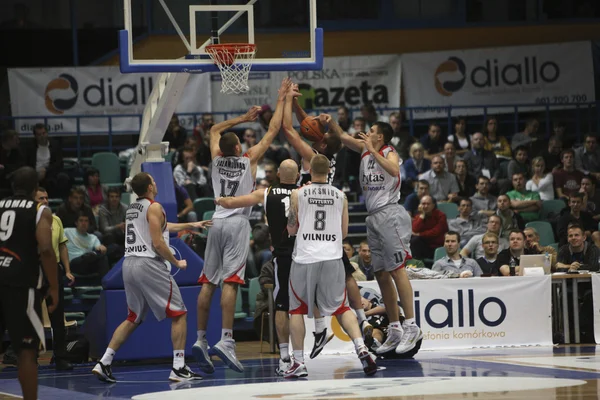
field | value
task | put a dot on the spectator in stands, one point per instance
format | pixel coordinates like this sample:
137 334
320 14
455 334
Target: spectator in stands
175 134
474 247
434 141
510 219
495 143
46 157
202 129
343 118
541 181
69 211
513 254
429 227
481 161
411 204
466 182
527 203
488 262
587 157
271 174
11 159
519 163
483 202
277 151
86 254
454 262
460 139
185 207
370 115
443 186
559 129
578 253
249 140
575 216
532 244
359 124
348 248
402 139
111 218
416 164
467 224
567 180
528 135
363 259
189 175
591 199
551 154
450 157
95 193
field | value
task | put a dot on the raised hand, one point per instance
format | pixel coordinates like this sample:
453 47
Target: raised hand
286 83
325 119
366 140
252 114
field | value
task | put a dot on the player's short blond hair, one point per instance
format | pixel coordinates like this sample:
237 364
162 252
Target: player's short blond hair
319 165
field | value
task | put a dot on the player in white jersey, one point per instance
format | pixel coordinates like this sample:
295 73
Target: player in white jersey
147 278
389 228
329 146
318 216
233 174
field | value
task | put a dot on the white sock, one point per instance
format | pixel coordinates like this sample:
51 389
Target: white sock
395 325
410 322
178 359
320 325
201 335
107 358
284 351
360 314
299 356
358 343
226 334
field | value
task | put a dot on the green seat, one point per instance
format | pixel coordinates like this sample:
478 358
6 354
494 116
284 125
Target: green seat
450 209
109 166
551 207
89 292
440 253
415 263
68 293
544 229
239 313
252 293
554 246
208 215
203 205
126 198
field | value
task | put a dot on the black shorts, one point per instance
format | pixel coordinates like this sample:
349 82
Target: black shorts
282 265
348 268
20 314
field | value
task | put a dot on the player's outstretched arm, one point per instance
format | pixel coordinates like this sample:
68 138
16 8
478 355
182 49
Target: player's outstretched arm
218 129
345 218
43 234
248 200
347 140
292 225
174 228
155 216
300 113
390 163
257 151
292 136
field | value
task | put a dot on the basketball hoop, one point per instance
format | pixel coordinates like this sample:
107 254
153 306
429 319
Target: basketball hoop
234 61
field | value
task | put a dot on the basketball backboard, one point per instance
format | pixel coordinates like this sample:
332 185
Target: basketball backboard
194 24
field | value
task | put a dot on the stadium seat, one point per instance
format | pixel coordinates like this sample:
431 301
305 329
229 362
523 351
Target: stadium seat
109 166
252 293
439 253
450 209
554 246
126 198
208 215
544 229
551 207
239 312
203 205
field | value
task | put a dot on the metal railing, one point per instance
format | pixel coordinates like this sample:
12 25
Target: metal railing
580 118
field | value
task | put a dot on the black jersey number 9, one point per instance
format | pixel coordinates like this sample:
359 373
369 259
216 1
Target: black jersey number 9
7 224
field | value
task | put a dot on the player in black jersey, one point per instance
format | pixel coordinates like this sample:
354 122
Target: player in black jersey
25 240
276 200
329 146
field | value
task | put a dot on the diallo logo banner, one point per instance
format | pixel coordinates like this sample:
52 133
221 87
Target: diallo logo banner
68 87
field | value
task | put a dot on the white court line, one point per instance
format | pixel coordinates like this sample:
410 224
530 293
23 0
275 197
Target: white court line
12 395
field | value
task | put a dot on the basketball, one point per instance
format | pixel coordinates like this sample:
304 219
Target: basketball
312 129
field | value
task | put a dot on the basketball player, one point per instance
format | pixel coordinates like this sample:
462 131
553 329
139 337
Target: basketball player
318 216
25 240
329 146
233 174
276 201
147 278
389 227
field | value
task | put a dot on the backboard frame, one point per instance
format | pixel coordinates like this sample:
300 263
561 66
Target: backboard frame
194 64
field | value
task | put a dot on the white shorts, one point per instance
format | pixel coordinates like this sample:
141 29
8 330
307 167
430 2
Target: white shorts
226 251
389 230
322 284
149 284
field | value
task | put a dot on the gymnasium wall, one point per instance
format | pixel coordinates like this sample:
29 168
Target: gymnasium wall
347 43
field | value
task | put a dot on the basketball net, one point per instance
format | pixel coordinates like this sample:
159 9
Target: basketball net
234 61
